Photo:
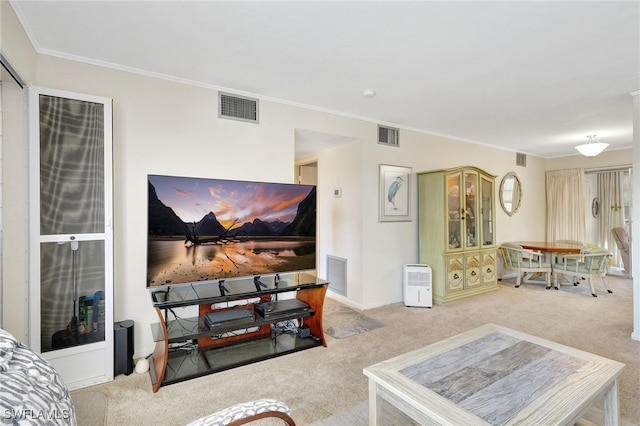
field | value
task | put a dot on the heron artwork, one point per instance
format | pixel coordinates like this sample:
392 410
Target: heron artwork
393 191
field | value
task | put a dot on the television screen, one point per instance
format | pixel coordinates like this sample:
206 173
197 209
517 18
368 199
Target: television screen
210 229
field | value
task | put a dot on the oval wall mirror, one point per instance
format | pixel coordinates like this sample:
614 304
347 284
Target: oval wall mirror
510 193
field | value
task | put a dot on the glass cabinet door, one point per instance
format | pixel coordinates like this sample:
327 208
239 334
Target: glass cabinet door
487 212
454 211
71 272
471 209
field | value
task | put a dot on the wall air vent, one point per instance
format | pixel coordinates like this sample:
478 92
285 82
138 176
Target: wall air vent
388 136
337 274
521 159
237 107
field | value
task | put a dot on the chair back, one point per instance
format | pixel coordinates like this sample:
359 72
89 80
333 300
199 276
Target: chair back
512 254
596 260
621 236
578 243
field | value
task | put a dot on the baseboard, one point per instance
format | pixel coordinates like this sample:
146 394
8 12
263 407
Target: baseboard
342 299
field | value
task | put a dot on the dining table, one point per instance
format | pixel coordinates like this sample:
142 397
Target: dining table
551 250
551 246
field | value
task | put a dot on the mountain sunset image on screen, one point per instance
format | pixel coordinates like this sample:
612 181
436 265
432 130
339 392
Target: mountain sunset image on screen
208 229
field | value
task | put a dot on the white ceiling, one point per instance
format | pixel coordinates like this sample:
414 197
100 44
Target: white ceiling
533 77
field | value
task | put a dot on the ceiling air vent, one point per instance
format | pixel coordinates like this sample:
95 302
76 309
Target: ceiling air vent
237 107
388 136
521 159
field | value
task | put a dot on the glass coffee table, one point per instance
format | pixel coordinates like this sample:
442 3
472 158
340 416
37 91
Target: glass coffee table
493 375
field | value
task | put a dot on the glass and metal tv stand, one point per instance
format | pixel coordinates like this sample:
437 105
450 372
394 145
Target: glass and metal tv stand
192 347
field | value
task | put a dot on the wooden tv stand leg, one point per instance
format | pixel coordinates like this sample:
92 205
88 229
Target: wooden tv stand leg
160 356
314 297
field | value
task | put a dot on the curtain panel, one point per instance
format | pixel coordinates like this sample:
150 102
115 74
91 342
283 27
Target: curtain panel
566 210
609 192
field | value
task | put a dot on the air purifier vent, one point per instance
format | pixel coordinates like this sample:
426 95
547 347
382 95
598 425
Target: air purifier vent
388 136
418 279
237 107
521 159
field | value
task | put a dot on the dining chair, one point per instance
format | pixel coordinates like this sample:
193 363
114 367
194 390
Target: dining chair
576 242
591 263
559 256
525 263
621 237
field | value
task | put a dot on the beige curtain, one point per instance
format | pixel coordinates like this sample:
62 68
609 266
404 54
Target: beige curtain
565 205
609 193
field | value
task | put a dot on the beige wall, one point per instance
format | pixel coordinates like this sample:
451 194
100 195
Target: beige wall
166 127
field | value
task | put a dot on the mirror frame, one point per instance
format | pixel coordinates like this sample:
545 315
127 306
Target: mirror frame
514 203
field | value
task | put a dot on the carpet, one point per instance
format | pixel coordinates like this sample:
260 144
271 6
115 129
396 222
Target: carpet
91 408
358 415
321 382
342 322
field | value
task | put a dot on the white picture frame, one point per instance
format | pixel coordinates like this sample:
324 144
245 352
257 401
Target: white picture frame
395 193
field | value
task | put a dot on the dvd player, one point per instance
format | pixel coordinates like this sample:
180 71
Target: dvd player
229 317
278 308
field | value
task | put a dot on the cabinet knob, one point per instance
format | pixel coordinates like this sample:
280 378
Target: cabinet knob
473 273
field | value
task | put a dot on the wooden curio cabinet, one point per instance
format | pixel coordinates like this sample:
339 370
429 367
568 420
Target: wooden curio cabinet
457 231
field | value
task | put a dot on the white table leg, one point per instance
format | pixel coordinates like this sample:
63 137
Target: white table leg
611 405
375 405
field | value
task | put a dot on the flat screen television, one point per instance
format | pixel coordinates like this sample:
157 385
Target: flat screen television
203 229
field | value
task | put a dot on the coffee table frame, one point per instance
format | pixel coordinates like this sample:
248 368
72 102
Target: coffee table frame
564 403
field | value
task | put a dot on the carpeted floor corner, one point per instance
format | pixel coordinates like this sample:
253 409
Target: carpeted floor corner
341 322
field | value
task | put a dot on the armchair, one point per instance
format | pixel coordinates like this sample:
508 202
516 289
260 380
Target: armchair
525 263
589 264
246 412
30 389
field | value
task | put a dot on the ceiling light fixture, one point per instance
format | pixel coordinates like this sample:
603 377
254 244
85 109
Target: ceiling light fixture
592 148
368 93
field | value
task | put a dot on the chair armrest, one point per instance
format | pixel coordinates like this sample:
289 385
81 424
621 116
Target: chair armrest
570 262
532 257
573 256
247 412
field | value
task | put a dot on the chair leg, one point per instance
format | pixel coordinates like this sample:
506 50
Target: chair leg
593 292
547 280
518 279
555 280
605 285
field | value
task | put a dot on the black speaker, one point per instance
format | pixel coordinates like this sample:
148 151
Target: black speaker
123 345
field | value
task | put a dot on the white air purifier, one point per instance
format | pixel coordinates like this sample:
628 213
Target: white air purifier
417 285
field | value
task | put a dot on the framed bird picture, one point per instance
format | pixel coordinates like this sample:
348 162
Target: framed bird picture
395 193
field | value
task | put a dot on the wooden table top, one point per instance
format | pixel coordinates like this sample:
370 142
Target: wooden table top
499 376
552 247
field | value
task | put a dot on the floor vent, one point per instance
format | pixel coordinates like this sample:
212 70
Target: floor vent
237 107
388 136
337 274
521 159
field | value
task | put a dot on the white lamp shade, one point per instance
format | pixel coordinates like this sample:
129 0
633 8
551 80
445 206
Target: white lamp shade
591 148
